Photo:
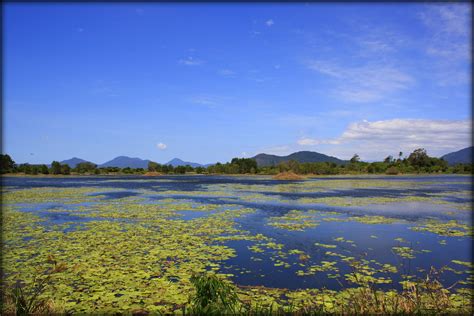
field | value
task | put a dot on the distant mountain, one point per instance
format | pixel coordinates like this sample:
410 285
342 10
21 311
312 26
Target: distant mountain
124 161
73 162
301 156
178 162
460 156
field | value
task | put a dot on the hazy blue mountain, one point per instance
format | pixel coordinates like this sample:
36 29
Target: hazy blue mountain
301 156
460 156
73 161
178 162
124 161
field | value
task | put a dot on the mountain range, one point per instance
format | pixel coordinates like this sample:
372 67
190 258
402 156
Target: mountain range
178 162
73 162
124 161
461 156
264 160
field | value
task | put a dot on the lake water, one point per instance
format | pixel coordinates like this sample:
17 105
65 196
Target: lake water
312 229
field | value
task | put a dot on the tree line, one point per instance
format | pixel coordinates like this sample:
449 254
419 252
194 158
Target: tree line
417 162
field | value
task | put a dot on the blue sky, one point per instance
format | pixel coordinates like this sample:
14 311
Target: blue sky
208 82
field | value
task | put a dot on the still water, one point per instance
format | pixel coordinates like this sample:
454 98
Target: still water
341 218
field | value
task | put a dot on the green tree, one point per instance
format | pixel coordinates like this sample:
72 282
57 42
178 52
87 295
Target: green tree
419 158
180 169
65 169
355 158
153 166
84 167
55 167
389 159
6 163
44 169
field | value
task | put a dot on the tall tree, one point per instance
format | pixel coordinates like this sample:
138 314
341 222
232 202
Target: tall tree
55 167
355 158
6 163
419 158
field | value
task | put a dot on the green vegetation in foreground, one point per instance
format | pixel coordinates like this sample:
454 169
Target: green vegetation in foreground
417 162
134 257
212 294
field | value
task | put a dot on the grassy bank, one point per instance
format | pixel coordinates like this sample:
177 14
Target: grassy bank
212 294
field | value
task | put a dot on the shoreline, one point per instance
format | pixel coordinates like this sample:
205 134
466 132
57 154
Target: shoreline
306 176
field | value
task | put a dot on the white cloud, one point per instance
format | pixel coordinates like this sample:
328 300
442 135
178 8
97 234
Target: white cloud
269 22
362 84
190 61
378 139
161 146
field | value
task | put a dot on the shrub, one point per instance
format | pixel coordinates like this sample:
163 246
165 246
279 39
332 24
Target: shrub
392 171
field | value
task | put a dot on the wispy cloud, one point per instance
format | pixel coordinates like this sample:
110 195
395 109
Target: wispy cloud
448 41
361 84
311 141
203 100
107 88
376 140
255 33
277 150
452 19
161 146
269 22
226 72
209 100
191 61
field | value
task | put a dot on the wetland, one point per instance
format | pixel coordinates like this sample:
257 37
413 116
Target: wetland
134 244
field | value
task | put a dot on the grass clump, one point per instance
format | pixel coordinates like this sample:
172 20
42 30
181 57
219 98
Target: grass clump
30 299
214 296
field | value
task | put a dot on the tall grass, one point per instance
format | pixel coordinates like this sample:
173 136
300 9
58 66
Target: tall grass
21 300
214 296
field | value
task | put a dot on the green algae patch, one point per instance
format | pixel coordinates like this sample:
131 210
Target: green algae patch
463 263
324 245
138 254
114 265
404 252
450 228
293 220
57 195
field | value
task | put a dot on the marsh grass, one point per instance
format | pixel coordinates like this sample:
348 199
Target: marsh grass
214 296
22 299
